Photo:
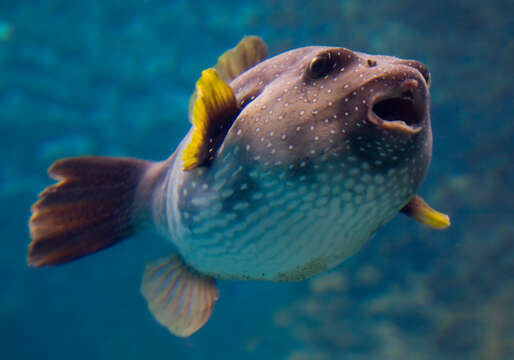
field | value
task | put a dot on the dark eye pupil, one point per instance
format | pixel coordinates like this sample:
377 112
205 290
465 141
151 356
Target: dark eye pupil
319 66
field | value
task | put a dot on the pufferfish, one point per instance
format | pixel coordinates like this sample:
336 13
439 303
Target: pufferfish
292 163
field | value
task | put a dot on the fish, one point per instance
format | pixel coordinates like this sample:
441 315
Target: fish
291 164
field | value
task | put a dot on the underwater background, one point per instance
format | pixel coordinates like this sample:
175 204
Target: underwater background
114 77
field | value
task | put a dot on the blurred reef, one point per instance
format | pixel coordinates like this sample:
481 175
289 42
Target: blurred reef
114 78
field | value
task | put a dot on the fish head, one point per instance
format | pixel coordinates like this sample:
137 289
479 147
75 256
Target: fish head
327 107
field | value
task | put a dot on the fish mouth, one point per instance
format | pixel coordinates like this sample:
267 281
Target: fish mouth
401 110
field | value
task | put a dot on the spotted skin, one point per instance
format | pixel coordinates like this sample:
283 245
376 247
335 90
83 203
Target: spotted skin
308 171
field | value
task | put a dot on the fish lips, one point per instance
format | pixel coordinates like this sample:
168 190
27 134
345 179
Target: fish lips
402 109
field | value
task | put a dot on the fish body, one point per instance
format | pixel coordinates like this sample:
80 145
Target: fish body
291 165
302 179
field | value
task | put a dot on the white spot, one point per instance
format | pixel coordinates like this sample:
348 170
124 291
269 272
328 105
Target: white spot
241 205
347 196
227 193
247 147
349 184
302 112
238 132
257 196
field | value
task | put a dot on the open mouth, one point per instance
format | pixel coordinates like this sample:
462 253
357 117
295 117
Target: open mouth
398 112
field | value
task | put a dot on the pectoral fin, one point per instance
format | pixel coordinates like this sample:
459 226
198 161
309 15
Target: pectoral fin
213 112
418 209
180 298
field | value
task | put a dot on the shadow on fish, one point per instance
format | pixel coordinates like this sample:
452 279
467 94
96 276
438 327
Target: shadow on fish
292 163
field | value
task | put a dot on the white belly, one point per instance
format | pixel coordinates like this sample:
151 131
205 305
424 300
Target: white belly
274 226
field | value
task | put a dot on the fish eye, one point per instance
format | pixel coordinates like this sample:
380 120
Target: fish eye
320 66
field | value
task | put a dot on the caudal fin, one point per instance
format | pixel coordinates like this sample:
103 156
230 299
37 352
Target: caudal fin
92 207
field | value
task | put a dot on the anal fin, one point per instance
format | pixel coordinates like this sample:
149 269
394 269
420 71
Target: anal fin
178 297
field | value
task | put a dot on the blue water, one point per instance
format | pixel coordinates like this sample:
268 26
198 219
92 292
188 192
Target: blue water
114 78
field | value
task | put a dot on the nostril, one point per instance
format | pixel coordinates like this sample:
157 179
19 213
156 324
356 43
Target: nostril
372 63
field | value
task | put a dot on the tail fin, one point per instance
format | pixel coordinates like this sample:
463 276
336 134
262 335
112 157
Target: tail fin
95 205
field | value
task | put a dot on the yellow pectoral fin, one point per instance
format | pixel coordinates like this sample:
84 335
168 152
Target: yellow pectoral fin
214 105
418 209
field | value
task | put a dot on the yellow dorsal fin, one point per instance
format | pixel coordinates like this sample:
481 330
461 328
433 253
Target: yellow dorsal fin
418 209
213 111
250 51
